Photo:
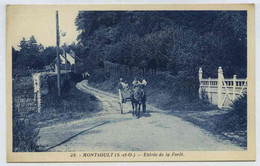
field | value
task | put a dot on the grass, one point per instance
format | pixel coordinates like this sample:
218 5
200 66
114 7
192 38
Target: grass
72 105
25 134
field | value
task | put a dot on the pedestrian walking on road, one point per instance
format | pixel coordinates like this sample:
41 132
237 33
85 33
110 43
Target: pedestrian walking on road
86 76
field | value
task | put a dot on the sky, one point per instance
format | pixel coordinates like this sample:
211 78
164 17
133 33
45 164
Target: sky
41 22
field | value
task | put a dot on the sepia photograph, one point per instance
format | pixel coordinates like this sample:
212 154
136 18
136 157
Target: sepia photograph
130 83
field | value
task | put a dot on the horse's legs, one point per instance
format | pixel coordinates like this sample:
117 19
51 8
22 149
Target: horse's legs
144 107
133 107
139 105
144 103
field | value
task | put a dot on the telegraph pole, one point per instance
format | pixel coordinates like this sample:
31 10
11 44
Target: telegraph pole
65 56
57 51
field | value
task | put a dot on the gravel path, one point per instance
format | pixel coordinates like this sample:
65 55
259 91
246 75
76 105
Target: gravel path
108 130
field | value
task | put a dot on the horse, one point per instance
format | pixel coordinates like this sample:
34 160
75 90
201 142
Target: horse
137 100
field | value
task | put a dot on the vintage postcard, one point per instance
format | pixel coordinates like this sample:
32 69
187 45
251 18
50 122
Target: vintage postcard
99 83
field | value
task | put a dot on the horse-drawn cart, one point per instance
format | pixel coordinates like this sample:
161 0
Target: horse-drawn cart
137 97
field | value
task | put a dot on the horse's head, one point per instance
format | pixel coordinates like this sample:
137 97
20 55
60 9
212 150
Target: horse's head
138 94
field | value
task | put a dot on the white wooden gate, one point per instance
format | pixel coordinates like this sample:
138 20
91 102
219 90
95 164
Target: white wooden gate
222 91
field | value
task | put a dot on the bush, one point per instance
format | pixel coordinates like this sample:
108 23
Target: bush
236 118
239 108
240 104
187 85
76 77
25 135
204 97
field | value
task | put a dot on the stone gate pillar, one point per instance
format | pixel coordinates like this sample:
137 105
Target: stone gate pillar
234 86
220 85
200 78
37 90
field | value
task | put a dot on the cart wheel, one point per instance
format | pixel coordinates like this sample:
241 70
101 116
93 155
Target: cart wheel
120 101
121 107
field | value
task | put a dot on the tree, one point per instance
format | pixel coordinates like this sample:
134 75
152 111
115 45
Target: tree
29 54
178 41
48 55
15 55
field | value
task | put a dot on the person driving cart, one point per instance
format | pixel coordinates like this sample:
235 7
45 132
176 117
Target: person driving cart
143 84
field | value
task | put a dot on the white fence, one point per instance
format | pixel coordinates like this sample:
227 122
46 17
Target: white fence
221 91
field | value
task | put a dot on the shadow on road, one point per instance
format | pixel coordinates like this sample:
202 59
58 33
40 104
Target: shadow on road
129 112
75 136
146 114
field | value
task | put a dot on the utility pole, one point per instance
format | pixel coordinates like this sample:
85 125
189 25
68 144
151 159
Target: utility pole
65 56
57 51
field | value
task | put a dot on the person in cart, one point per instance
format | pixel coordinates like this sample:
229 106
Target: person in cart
124 90
135 83
120 84
126 86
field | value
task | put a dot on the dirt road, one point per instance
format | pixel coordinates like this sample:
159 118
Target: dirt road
109 130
